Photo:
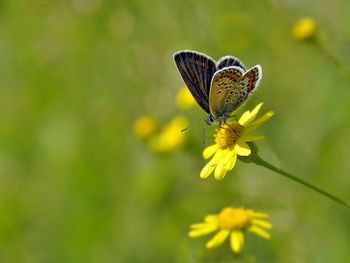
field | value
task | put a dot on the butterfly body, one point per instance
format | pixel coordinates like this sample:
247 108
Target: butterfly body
218 87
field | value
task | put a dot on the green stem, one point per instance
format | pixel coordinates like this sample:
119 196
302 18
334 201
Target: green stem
267 165
255 158
342 69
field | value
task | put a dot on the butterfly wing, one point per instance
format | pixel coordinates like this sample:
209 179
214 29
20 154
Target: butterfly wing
197 70
224 85
231 87
228 61
251 80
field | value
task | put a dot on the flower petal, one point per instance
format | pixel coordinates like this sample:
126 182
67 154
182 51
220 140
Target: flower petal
220 170
260 215
207 170
218 239
197 225
248 116
251 138
231 163
237 241
209 151
242 149
260 232
210 166
211 218
206 229
262 223
256 124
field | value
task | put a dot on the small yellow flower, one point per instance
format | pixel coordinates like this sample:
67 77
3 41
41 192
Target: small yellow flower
231 140
184 99
304 28
233 222
170 137
144 127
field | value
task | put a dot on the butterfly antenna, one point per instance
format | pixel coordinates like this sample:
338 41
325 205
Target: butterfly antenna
186 128
191 124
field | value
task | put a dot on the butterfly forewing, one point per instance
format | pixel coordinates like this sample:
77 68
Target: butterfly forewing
224 89
228 61
197 70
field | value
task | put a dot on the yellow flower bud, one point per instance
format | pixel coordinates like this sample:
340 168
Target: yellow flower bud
184 99
304 28
145 126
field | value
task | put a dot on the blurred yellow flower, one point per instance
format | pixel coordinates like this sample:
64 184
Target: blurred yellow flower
230 141
170 137
231 222
304 28
184 99
145 126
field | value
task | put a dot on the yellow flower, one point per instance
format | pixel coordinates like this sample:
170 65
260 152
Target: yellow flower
304 28
170 138
231 140
184 99
233 222
144 127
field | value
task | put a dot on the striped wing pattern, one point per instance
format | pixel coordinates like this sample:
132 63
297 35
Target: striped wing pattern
221 87
197 71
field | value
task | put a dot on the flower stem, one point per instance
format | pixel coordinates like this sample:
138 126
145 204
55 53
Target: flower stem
267 165
339 65
255 158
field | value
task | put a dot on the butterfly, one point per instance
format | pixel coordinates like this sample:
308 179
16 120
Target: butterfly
218 87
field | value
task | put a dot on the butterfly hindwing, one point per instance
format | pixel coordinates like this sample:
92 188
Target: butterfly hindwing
197 70
228 61
251 79
231 87
224 89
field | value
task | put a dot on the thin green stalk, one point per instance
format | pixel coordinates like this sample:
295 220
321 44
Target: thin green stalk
342 69
255 158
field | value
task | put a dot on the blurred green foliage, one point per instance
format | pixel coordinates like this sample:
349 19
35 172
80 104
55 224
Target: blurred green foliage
77 186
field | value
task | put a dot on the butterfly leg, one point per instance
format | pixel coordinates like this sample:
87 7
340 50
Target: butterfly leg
228 125
204 133
223 127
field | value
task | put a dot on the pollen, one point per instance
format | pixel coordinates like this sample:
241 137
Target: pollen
235 218
228 135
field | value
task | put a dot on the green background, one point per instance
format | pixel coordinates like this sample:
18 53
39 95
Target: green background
77 186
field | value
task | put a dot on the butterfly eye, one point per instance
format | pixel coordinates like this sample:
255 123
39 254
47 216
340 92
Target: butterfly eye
211 119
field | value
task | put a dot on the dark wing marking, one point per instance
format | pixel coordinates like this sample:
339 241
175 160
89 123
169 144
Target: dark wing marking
197 70
228 61
251 79
245 87
224 90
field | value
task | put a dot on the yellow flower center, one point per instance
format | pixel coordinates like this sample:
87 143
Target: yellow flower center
235 218
228 135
